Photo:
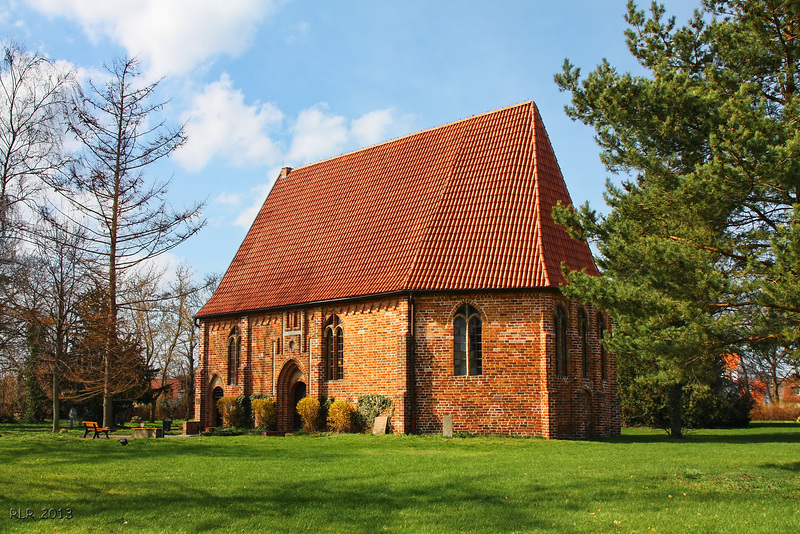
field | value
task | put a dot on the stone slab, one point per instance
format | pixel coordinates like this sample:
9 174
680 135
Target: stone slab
191 428
147 433
379 427
447 426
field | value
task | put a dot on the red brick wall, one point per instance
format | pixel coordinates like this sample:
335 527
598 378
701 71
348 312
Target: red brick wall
517 393
374 357
374 354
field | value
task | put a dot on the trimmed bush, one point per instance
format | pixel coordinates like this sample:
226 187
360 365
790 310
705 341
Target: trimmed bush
325 406
229 409
245 419
264 412
309 409
340 416
370 407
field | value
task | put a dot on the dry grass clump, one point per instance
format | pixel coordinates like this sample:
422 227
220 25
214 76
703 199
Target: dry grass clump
776 411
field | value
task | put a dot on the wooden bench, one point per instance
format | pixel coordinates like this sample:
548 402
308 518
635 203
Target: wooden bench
92 426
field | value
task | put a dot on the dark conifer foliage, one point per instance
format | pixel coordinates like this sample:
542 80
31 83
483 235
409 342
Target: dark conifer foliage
702 243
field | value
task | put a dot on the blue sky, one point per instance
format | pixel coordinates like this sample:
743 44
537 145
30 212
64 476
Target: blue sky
263 84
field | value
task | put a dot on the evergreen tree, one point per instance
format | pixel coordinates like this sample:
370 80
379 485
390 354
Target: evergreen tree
705 234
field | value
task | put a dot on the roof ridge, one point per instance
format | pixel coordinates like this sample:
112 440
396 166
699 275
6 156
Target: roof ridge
537 199
414 134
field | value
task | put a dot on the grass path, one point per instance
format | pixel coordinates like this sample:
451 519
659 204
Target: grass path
713 481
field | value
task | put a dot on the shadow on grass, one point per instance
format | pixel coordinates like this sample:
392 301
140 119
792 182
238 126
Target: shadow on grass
287 493
788 466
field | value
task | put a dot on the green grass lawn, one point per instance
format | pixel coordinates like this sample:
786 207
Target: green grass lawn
712 481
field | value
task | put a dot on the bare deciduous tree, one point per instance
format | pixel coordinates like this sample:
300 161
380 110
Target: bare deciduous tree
125 217
33 93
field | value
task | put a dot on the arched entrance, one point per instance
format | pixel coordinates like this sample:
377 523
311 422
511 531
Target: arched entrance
291 388
216 395
299 392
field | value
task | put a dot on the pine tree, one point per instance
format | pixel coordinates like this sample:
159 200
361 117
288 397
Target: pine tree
704 235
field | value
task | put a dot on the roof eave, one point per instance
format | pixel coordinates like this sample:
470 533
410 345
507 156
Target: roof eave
401 292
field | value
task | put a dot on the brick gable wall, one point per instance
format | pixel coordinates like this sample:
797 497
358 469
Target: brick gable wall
518 392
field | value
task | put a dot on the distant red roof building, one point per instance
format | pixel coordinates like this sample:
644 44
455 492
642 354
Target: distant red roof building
394 269
172 392
788 389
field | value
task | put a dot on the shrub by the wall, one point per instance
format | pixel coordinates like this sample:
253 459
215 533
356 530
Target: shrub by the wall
264 412
324 408
244 412
370 407
340 416
309 409
229 409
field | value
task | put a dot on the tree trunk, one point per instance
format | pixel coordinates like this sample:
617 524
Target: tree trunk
775 395
676 410
107 406
56 407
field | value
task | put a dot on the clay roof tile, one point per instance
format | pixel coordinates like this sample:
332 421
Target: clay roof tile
462 206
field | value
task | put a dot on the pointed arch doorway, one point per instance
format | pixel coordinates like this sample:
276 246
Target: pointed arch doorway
216 394
291 388
299 392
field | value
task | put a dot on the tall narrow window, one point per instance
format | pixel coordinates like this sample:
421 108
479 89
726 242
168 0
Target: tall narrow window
467 342
601 334
583 327
234 356
334 349
560 331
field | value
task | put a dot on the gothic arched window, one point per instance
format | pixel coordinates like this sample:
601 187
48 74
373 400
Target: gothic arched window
601 334
560 331
334 349
583 329
234 356
467 342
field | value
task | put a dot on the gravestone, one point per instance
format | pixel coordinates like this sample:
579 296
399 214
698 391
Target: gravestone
447 426
379 427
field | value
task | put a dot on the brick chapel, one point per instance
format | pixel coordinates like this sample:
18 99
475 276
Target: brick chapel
426 269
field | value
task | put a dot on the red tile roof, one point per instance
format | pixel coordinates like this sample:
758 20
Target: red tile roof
462 206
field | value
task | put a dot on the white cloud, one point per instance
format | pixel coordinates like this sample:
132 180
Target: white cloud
220 123
172 36
317 134
373 127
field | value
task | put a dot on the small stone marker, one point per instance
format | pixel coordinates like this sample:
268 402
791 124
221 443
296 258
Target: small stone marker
379 427
447 426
